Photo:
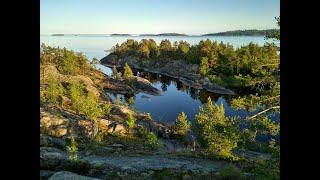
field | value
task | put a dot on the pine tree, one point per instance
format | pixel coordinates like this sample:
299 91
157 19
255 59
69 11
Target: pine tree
127 74
182 124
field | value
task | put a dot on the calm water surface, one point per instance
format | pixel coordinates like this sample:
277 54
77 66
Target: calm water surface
175 96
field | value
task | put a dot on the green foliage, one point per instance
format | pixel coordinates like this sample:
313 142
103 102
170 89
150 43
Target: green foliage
53 91
72 149
217 132
143 132
131 121
85 103
182 125
127 74
267 169
127 48
276 33
230 172
152 141
106 108
67 62
115 73
250 66
204 66
166 49
131 101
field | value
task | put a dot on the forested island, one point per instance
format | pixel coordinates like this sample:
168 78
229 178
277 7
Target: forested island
251 32
84 131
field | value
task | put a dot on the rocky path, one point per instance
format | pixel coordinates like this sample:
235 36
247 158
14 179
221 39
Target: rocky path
157 162
129 165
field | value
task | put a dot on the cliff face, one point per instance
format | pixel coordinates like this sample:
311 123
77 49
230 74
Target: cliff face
186 73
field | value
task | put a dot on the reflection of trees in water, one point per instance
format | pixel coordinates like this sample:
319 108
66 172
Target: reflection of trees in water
180 86
165 82
194 93
203 96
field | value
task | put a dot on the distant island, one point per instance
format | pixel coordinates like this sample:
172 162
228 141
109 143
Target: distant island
164 34
57 35
251 32
120 34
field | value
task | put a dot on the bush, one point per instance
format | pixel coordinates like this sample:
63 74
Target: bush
143 132
152 140
73 64
131 121
267 169
72 149
85 103
106 108
53 91
217 133
230 173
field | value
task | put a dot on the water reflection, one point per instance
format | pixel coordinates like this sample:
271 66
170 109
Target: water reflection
177 97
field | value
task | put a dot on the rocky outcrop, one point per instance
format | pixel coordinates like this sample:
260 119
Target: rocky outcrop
186 73
64 175
54 125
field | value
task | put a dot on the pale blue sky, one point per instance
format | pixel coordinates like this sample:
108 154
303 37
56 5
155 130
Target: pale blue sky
155 16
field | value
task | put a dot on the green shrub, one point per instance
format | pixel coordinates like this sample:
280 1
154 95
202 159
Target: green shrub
53 91
152 141
131 121
73 64
143 132
267 169
230 173
217 133
106 108
85 103
72 149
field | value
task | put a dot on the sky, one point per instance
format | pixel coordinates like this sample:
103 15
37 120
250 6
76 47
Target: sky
155 16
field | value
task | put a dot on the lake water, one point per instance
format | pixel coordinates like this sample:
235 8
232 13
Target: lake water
175 96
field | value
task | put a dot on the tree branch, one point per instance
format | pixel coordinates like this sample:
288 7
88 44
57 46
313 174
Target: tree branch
259 113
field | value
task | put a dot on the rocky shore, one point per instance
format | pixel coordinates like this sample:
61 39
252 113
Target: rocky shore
186 73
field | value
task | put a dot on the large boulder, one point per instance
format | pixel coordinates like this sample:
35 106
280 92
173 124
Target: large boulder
64 175
53 125
51 158
46 174
47 141
87 128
